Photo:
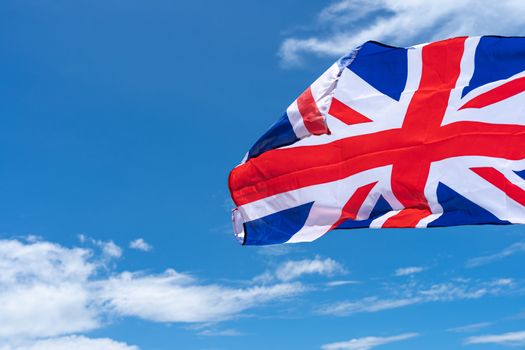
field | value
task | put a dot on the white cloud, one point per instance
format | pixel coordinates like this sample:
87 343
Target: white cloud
48 291
515 248
341 283
292 270
175 297
507 339
140 244
264 278
412 294
405 271
369 304
367 343
71 342
348 23
109 249
295 269
221 333
42 290
470 327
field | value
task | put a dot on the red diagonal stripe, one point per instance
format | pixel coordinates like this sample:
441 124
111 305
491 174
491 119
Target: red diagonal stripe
312 117
500 181
498 94
407 218
353 205
346 114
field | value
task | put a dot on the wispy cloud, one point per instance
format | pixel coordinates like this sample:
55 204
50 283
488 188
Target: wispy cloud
347 23
109 249
341 283
221 333
411 270
515 248
412 294
176 297
292 270
140 244
470 327
506 339
367 343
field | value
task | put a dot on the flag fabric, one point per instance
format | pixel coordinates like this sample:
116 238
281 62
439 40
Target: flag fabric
388 137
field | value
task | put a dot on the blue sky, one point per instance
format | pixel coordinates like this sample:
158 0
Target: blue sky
120 123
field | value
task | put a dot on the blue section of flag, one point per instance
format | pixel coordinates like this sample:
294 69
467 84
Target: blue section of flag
278 227
280 134
382 207
458 210
383 67
520 173
497 58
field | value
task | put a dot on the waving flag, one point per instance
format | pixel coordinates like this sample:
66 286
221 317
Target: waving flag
425 136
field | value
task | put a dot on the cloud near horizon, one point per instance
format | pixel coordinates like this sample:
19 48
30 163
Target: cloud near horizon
52 294
346 24
367 343
415 293
48 291
513 339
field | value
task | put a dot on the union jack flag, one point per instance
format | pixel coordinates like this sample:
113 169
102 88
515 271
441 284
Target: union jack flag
425 136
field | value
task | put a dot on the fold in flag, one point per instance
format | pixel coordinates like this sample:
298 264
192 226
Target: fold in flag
426 136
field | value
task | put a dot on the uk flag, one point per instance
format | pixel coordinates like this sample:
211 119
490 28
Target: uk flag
425 136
